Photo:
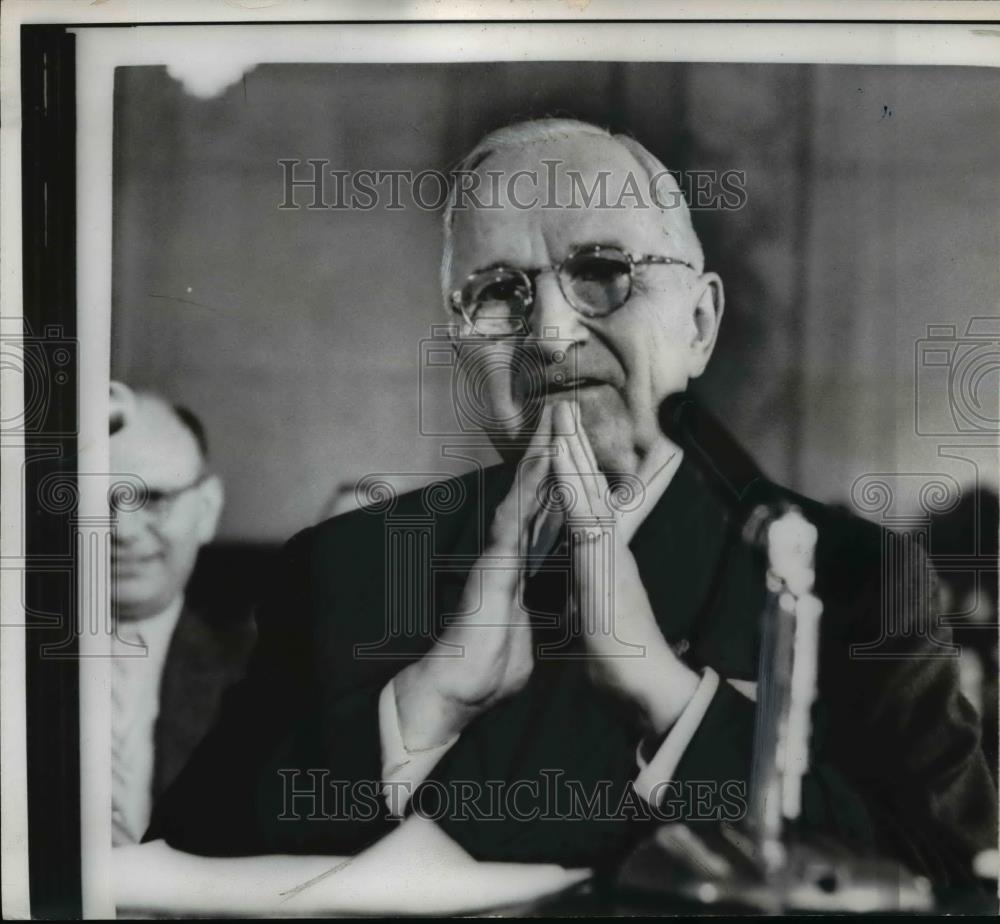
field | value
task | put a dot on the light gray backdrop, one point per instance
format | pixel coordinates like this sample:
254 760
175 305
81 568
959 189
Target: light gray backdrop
873 211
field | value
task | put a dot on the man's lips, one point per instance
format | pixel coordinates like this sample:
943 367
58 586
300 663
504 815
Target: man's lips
558 384
133 561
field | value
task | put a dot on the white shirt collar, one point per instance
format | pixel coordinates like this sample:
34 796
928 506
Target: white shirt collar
154 631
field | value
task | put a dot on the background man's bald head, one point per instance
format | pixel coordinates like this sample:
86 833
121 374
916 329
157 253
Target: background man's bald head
147 430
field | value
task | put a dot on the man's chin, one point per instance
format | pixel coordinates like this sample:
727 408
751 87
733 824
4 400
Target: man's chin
138 590
133 608
615 456
609 429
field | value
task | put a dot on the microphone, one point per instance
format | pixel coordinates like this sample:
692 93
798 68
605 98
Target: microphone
786 673
791 871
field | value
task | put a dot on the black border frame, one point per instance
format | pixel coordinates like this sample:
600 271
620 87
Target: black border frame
52 695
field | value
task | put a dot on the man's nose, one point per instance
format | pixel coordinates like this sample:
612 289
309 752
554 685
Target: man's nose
553 318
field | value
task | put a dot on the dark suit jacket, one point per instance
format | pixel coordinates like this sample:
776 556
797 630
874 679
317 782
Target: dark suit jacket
896 761
205 658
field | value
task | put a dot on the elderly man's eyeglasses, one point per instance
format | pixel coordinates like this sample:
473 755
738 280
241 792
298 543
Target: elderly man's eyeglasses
155 503
595 279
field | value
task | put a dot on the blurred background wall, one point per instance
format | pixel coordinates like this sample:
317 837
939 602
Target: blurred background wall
873 211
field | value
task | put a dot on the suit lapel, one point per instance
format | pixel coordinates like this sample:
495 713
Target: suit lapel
461 549
199 666
678 549
704 585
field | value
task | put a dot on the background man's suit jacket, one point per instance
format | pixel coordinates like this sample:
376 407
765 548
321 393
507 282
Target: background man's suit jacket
896 761
205 657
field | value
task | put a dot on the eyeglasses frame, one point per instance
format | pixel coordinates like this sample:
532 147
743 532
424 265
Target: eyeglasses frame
168 497
528 276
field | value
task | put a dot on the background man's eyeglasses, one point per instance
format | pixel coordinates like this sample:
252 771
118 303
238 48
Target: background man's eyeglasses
595 279
156 504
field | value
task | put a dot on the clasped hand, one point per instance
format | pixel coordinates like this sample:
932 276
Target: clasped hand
487 654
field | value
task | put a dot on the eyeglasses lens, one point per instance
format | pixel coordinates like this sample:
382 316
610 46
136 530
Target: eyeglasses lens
497 302
597 283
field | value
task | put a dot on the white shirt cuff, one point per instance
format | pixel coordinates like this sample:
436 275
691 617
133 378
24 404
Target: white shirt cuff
402 770
662 767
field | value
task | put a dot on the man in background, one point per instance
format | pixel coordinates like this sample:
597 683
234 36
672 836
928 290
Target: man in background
171 662
969 598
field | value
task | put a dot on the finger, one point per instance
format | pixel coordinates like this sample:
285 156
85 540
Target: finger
575 474
537 465
567 425
600 493
562 419
562 462
569 477
562 424
505 527
542 436
518 507
516 511
585 441
533 497
590 478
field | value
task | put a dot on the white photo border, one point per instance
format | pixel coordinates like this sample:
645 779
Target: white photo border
882 33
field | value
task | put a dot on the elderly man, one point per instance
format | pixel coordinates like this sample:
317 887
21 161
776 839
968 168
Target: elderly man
538 703
171 663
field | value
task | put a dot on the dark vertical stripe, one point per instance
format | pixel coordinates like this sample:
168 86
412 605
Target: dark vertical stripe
619 101
52 682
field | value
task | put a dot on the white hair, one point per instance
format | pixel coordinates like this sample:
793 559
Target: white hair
540 130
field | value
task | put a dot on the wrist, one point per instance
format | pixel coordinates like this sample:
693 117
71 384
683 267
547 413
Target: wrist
665 686
428 717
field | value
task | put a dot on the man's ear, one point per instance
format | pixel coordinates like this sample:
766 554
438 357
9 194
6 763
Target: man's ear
707 318
211 495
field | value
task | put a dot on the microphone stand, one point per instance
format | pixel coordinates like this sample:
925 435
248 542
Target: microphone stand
763 864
